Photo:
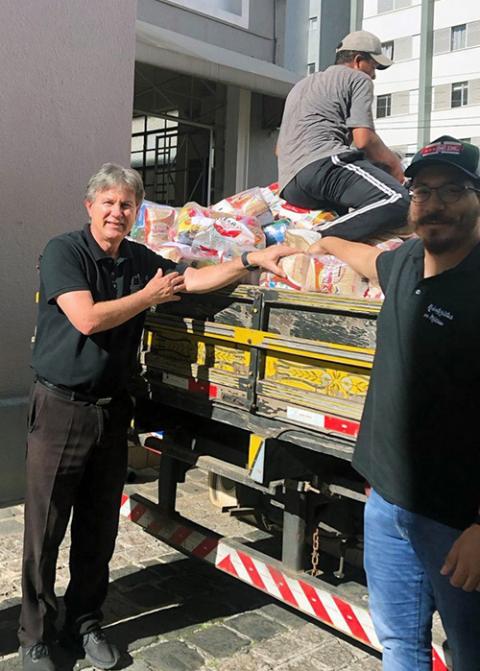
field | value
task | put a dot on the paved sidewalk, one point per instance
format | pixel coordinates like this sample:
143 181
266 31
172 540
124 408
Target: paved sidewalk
172 613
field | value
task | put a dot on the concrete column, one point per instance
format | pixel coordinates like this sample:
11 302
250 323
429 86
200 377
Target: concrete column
243 139
296 36
237 140
425 74
356 15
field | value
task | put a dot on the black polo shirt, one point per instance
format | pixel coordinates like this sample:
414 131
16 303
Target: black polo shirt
419 444
100 364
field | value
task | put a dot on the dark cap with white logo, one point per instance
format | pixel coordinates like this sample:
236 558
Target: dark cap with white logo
448 150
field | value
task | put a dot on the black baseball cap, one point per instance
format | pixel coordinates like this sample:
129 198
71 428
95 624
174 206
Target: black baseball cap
448 150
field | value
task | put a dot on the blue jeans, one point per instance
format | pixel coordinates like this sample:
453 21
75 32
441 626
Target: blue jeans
404 553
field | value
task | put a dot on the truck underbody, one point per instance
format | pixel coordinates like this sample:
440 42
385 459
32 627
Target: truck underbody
264 390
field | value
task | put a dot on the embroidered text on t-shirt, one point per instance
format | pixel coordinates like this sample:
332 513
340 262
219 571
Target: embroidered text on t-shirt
437 315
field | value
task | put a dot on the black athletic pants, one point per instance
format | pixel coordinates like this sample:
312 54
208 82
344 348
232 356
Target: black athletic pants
76 459
345 181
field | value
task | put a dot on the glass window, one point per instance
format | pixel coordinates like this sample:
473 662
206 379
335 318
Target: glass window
389 5
458 37
312 23
384 6
384 106
459 94
387 49
311 68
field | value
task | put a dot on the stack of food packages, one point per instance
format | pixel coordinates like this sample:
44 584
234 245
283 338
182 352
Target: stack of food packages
252 220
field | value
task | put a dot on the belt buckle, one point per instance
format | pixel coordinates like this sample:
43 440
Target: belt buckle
104 401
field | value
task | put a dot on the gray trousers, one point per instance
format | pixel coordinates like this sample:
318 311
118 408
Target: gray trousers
76 460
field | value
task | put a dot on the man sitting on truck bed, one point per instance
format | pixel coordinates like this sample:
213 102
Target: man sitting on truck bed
95 288
317 167
418 444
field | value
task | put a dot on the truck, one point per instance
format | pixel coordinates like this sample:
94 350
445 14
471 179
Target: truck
264 389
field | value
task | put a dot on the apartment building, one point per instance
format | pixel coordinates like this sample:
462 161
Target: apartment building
455 83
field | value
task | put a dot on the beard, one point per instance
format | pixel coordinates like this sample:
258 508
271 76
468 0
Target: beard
441 233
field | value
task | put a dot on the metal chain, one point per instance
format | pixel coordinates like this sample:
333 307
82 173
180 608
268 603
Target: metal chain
315 552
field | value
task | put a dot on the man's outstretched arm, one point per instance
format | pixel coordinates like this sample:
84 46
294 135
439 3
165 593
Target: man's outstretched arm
362 258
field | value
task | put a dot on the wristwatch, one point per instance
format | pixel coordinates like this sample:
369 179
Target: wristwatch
245 263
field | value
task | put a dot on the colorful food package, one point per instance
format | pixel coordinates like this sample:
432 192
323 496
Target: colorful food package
301 217
271 194
191 219
276 232
324 274
153 224
250 203
227 237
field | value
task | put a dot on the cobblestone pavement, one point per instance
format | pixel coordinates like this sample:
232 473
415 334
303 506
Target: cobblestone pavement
172 613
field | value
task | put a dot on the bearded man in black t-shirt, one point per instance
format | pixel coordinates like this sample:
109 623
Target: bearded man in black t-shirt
418 445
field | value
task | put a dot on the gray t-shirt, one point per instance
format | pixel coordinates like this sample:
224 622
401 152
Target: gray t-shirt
320 112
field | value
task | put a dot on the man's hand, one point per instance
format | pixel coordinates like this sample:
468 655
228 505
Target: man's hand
359 256
164 288
268 258
463 561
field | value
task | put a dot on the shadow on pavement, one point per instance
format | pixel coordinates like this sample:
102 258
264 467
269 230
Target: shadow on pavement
160 601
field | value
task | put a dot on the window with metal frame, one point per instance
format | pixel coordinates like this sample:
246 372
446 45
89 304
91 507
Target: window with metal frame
384 106
458 37
459 94
390 5
388 49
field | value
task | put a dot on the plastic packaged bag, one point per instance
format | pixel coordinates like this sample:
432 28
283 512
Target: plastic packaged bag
191 219
250 203
301 238
153 224
226 238
174 251
301 217
323 274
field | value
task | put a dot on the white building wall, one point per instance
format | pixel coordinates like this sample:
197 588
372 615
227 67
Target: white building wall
402 25
399 129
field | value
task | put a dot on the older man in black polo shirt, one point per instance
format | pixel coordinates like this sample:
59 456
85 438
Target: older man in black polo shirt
419 446
95 289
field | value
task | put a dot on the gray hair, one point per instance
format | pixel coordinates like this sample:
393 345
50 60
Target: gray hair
112 175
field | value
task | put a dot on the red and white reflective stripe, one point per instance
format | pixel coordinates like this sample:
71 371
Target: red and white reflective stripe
348 427
197 544
299 593
302 595
190 384
439 663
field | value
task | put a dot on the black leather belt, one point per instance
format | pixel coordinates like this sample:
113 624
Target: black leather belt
70 395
